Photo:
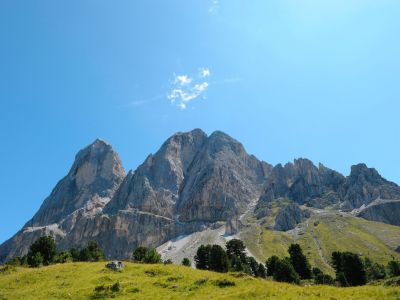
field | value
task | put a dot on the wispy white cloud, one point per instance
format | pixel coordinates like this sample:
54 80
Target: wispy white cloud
185 89
144 101
183 79
205 72
214 6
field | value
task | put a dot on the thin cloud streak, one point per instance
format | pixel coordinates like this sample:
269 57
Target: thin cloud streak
141 102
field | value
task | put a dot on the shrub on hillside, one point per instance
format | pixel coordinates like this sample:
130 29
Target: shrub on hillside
147 256
299 261
324 279
202 257
223 283
350 270
374 270
394 268
64 257
91 252
186 262
218 260
285 272
42 252
271 265
139 254
262 273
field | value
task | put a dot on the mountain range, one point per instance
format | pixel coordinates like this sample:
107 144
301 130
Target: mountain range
207 189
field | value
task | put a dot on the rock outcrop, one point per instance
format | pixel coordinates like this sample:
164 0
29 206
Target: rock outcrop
365 185
191 184
304 183
384 211
288 217
192 181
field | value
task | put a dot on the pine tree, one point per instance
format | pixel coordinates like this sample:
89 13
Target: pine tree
299 261
46 247
284 272
350 270
218 260
271 265
139 254
261 271
186 262
202 257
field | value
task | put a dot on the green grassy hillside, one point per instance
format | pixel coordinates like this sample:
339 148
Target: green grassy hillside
93 281
324 233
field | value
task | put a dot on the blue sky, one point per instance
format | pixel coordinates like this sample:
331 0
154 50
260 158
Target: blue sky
288 78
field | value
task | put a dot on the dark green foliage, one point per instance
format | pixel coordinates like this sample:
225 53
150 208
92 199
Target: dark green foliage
116 287
168 262
262 273
236 251
374 270
341 278
106 292
148 256
350 270
186 262
236 248
18 261
285 272
152 257
74 254
35 260
139 254
271 265
322 278
202 257
218 259
42 252
299 261
253 264
316 272
64 257
237 265
91 252
394 268
223 283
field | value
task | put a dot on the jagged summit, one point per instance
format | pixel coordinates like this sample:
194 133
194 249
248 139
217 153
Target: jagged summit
191 183
95 175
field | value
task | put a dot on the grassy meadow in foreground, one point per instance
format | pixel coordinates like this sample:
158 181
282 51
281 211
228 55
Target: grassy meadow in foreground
93 281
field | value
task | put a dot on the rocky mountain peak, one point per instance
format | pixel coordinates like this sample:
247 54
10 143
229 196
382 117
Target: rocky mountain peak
361 171
95 175
192 182
365 185
221 142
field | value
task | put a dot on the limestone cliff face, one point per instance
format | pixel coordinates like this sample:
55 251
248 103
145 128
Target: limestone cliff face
365 185
288 217
155 186
384 211
305 183
90 184
193 182
222 181
302 182
92 181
